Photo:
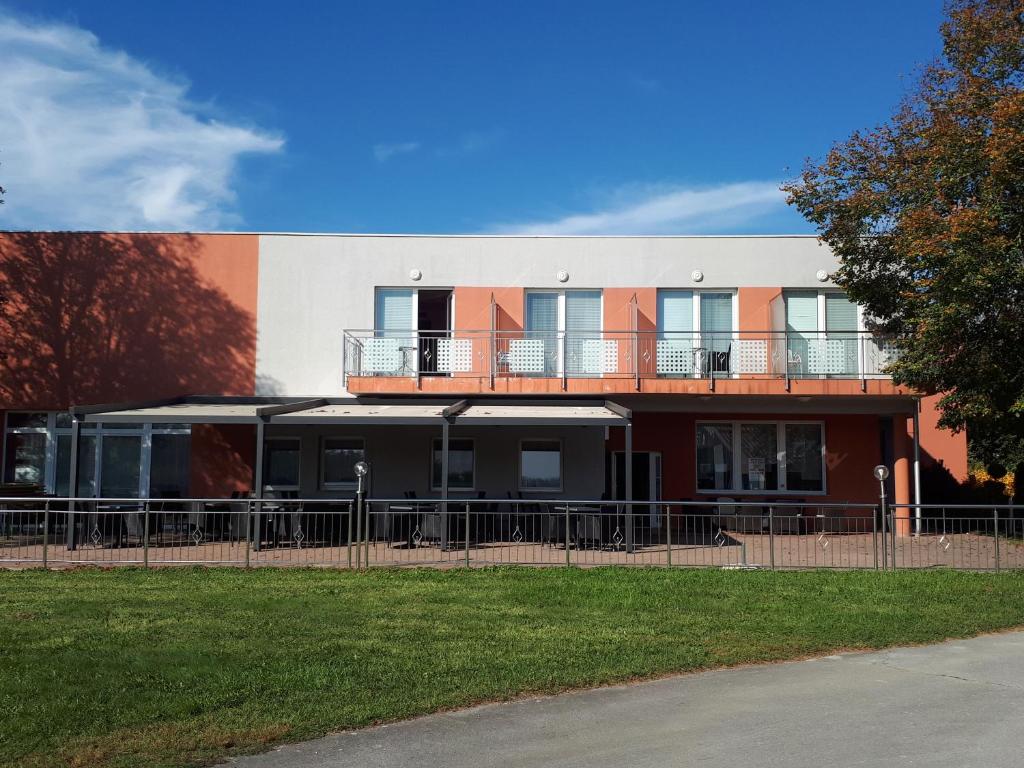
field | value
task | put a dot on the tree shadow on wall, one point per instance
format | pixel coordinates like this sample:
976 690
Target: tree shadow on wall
93 317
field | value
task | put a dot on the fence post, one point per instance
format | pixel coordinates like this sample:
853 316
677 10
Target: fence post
46 533
248 534
995 532
348 546
565 361
771 537
467 534
145 535
892 537
874 537
668 534
567 560
885 537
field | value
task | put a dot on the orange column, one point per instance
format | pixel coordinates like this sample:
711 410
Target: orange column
901 474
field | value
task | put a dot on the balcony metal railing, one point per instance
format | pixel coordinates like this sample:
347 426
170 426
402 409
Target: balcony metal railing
617 354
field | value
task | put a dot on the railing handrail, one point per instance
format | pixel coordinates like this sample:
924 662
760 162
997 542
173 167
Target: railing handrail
399 332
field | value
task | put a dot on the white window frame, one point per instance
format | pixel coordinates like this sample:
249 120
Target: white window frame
333 486
472 442
282 438
560 330
697 332
561 465
822 332
96 431
780 447
414 330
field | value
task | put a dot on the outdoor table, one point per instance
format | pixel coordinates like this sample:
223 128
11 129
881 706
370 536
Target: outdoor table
580 516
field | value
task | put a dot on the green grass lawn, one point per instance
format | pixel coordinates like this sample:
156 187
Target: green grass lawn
182 667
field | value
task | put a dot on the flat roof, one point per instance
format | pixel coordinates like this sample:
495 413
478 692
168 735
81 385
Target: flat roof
358 413
540 415
180 413
197 410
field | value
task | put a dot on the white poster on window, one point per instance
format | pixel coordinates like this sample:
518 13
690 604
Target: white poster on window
756 474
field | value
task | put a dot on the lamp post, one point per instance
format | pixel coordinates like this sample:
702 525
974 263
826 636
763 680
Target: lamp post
881 473
362 469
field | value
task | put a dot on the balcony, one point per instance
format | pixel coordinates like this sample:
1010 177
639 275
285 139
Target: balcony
453 361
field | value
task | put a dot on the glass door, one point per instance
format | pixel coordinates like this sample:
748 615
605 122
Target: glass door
583 333
542 328
801 328
716 332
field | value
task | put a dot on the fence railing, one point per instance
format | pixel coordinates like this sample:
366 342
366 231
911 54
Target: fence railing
617 354
346 533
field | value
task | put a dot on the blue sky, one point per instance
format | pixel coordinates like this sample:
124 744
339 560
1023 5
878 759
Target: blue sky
551 117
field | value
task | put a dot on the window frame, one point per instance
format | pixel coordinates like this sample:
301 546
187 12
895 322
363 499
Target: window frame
561 465
324 485
560 331
696 332
266 456
781 448
472 442
144 431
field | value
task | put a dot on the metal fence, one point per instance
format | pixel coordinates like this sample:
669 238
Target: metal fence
617 354
345 533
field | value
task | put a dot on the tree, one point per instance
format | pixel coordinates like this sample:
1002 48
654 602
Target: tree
926 215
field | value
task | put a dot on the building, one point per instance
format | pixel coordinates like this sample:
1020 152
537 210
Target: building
726 366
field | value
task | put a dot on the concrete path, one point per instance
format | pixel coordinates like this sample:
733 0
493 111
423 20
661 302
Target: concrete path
959 704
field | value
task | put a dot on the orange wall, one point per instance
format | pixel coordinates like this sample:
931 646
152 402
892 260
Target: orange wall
96 317
941 446
852 443
223 456
755 308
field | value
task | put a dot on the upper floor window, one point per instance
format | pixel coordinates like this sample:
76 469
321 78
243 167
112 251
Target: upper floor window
822 333
563 332
695 331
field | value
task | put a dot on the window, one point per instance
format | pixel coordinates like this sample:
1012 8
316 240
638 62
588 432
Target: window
805 451
576 315
695 332
714 456
761 457
135 459
540 465
281 463
338 461
822 330
460 465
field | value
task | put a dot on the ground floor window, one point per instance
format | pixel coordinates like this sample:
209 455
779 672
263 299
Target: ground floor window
461 465
281 463
761 456
540 465
114 460
338 460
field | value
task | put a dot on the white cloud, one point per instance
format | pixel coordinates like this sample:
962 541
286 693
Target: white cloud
91 138
660 209
384 152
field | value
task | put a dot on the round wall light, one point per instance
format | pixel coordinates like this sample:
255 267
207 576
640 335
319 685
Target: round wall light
696 275
822 275
415 274
562 276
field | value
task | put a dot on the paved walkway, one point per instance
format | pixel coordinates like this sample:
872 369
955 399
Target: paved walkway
959 704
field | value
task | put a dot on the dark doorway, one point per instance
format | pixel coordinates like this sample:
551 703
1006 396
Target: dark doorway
646 486
434 321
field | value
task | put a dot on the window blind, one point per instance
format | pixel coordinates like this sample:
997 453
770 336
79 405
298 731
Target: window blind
675 312
394 309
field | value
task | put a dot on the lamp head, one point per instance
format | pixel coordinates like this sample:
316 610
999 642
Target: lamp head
881 472
362 468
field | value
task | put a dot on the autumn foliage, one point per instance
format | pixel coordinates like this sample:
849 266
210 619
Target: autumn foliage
926 213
